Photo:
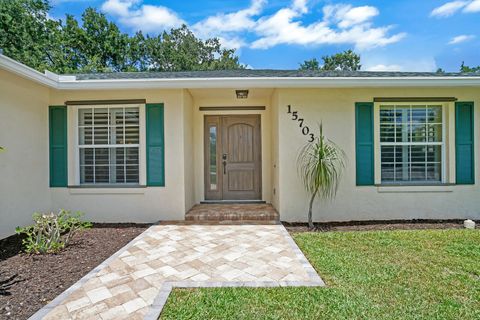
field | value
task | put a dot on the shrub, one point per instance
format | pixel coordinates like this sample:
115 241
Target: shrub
51 232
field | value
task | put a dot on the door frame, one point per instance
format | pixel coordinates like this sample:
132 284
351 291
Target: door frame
215 120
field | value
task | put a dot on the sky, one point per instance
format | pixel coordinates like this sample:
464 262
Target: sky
389 35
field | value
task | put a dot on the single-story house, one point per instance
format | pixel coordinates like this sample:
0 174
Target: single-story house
143 147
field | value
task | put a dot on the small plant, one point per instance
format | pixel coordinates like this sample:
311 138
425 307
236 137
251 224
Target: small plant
51 232
320 165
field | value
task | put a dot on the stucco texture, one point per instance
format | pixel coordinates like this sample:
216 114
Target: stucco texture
335 108
149 204
24 163
24 166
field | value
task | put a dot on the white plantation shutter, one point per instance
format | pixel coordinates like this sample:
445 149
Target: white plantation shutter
411 142
109 140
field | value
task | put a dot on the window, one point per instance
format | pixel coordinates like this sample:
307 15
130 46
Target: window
411 143
108 142
213 157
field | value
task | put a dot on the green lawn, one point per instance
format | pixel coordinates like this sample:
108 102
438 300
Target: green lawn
432 274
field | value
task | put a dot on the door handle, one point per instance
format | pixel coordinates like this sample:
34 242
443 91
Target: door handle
224 158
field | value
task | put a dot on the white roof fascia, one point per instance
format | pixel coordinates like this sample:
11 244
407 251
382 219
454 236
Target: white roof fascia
26 72
64 82
59 77
264 82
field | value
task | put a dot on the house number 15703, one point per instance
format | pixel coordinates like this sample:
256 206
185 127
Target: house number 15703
305 129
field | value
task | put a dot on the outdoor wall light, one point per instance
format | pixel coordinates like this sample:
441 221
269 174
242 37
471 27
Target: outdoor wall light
242 94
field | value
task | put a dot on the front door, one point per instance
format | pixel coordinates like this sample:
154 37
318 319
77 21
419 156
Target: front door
233 161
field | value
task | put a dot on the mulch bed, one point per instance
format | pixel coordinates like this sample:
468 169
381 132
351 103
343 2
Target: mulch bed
38 279
375 225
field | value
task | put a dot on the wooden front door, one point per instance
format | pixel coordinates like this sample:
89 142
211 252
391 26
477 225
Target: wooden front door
233 161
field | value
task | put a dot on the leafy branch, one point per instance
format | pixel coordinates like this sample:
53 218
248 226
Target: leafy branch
51 232
94 44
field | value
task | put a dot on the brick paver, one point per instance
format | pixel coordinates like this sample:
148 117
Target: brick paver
227 213
135 282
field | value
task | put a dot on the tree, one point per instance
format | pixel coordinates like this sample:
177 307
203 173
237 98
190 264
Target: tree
440 70
467 69
97 44
345 61
311 64
25 31
320 164
180 50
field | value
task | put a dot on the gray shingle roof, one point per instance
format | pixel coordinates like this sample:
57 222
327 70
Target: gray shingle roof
257 73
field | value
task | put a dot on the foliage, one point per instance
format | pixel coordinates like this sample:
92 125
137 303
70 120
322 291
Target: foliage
414 274
180 50
95 44
51 232
440 70
25 31
311 64
345 61
320 165
467 69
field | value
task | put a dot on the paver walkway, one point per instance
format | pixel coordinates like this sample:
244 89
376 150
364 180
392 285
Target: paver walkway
135 282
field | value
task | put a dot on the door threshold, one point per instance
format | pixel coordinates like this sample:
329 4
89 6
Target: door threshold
233 202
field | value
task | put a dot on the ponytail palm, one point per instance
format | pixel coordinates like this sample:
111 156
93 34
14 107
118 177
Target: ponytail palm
320 165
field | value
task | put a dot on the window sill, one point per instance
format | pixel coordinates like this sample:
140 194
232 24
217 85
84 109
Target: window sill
133 189
434 188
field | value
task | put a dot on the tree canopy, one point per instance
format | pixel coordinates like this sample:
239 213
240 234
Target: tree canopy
95 44
346 61
464 68
311 64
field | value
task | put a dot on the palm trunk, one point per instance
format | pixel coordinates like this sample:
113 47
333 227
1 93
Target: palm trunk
310 222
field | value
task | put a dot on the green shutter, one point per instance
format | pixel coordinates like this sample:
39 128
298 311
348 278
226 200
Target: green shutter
155 145
364 152
58 146
464 143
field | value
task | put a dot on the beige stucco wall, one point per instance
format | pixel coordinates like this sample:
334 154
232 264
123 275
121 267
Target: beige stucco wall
226 97
188 149
134 204
335 109
24 166
275 150
24 176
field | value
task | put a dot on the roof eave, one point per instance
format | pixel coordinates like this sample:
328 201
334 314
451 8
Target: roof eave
200 83
66 83
26 72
